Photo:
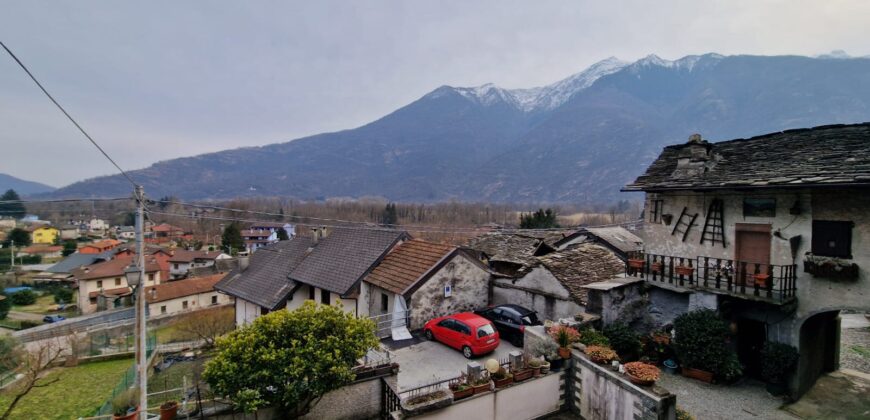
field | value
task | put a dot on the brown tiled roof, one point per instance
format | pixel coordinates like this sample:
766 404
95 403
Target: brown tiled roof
180 288
256 233
121 291
37 249
111 268
402 267
582 265
821 156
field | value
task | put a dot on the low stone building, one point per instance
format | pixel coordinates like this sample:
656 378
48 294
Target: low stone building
185 295
615 238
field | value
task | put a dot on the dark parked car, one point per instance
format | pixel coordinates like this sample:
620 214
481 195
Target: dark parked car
53 318
510 321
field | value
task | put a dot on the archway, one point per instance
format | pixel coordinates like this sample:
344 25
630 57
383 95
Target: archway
819 349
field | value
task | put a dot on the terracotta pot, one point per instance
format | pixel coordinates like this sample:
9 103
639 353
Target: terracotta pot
501 383
683 270
656 267
565 352
637 381
130 416
458 395
599 360
636 263
480 389
522 375
701 375
536 371
168 410
761 280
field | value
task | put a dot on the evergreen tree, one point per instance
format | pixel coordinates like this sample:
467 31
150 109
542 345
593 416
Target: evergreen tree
282 235
69 247
231 239
20 236
14 210
541 219
389 215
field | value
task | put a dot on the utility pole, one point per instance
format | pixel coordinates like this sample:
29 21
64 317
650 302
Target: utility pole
12 254
141 349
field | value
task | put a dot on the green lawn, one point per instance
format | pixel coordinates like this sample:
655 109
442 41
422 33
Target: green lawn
79 392
45 305
173 377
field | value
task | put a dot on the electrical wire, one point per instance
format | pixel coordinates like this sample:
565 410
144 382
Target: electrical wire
65 200
32 77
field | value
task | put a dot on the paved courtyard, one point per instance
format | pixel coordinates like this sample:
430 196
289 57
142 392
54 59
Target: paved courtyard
422 362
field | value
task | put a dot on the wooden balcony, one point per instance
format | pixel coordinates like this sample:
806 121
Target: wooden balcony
769 283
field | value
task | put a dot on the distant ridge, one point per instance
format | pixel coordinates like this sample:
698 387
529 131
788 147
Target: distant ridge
21 186
576 140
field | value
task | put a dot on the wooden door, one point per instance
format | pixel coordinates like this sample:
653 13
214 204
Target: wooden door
751 246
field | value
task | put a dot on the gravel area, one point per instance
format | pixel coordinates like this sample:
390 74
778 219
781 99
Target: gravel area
746 399
855 343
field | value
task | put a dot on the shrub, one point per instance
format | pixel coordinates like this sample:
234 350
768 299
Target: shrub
700 343
5 304
23 297
564 335
125 401
62 295
642 371
542 348
624 340
592 337
777 360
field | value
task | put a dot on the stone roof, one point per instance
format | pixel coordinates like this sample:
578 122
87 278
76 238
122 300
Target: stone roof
180 288
519 248
582 265
406 264
833 155
617 237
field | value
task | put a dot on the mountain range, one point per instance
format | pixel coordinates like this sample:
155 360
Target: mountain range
577 140
21 186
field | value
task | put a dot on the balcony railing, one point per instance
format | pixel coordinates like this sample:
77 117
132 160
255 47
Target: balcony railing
768 282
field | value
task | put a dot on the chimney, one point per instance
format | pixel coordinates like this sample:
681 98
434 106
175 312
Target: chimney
315 235
243 263
153 293
694 158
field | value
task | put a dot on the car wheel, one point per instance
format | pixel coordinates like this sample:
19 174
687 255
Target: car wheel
466 351
429 335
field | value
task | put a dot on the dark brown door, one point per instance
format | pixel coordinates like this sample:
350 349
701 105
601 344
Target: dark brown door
752 246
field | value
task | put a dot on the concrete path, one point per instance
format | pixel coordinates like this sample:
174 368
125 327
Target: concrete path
855 342
25 316
745 400
843 394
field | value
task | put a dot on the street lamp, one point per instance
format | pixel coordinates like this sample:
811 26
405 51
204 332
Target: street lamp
133 275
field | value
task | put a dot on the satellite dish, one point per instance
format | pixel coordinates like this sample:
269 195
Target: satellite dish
492 366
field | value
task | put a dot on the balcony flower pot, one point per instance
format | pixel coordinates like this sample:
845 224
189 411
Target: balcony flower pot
522 375
640 373
502 378
168 410
636 263
684 270
637 381
481 387
461 391
761 280
545 368
420 404
701 375
656 267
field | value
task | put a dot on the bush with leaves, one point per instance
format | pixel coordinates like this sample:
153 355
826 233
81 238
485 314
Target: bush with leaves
5 304
777 360
62 295
23 297
624 340
591 337
290 359
700 341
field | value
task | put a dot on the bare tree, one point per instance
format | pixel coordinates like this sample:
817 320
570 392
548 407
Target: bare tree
207 325
34 365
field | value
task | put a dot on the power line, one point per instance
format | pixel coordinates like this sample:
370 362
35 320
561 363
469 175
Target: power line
65 200
67 114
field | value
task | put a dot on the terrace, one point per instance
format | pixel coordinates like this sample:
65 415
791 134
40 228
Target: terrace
769 283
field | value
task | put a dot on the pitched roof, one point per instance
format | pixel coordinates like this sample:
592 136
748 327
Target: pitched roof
519 248
180 288
120 291
617 237
404 266
250 233
77 260
111 268
185 256
265 281
38 249
343 257
833 155
582 265
104 244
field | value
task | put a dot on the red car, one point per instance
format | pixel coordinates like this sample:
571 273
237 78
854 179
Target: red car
472 334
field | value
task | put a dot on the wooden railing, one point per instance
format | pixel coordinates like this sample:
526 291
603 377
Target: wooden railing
769 282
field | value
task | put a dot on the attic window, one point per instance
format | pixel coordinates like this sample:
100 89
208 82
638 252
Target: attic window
759 207
832 239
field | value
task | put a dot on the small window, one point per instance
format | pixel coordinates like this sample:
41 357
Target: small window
310 293
151 277
485 330
759 207
175 266
446 323
214 300
385 302
99 284
462 328
324 297
163 309
117 282
832 239
184 304
655 210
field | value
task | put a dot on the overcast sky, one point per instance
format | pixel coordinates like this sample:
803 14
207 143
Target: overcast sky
154 80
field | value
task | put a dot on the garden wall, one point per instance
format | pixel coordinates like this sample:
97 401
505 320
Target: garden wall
598 393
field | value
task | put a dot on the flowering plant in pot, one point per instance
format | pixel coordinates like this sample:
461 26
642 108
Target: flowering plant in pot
564 336
684 270
656 267
601 354
502 378
640 373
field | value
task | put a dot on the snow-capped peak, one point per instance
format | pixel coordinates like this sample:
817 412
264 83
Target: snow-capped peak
686 63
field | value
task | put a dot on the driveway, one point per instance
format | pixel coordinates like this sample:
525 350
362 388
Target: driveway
422 362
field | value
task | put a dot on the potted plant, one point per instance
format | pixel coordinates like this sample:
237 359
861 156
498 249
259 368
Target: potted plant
125 404
168 410
640 373
564 337
777 361
545 367
461 389
761 279
481 385
656 267
524 373
684 270
535 366
701 344
636 263
502 378
601 354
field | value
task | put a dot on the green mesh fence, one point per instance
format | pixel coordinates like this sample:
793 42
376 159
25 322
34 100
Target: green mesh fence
129 379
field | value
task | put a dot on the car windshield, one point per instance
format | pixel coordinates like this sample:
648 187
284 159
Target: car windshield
485 330
530 319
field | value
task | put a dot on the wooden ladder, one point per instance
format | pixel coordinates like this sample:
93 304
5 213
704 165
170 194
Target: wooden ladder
682 226
714 230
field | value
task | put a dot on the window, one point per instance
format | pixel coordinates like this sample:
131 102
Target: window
324 297
485 330
214 300
175 266
163 309
655 210
832 239
759 207
446 323
385 302
99 284
461 328
184 304
118 281
310 292
151 277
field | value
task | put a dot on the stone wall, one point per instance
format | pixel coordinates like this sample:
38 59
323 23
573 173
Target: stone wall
537 290
470 286
598 393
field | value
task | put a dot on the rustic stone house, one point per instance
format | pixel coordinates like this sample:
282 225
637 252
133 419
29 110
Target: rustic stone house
771 231
615 238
